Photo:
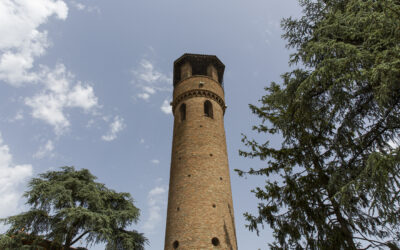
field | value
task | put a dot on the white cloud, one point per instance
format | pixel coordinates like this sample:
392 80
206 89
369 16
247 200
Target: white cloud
18 116
20 21
12 178
115 127
156 201
149 90
150 80
45 150
78 5
148 74
90 123
23 42
82 7
106 118
57 95
82 97
166 107
143 96
155 161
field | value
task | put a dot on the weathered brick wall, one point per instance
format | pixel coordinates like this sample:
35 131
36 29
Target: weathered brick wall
200 199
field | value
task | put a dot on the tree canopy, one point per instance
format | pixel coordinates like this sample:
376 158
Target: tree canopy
334 182
68 206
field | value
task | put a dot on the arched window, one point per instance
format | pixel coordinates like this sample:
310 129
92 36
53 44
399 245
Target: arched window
182 111
208 110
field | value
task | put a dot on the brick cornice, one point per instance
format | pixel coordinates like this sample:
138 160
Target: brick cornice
198 93
221 85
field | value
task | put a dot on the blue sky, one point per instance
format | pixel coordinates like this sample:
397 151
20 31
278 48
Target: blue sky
88 83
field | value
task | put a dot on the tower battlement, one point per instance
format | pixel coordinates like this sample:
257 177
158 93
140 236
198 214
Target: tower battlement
200 208
196 64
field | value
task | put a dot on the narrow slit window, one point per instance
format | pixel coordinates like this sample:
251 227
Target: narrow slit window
208 110
182 110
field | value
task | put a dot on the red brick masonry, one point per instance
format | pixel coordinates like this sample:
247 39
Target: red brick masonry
200 209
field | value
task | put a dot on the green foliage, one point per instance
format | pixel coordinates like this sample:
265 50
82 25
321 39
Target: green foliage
68 206
7 242
336 176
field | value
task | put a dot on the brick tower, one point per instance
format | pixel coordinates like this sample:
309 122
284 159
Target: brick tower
200 210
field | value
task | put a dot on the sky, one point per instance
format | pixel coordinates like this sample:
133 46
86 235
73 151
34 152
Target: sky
87 83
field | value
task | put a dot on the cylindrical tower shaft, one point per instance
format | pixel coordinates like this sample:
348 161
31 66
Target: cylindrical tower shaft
200 210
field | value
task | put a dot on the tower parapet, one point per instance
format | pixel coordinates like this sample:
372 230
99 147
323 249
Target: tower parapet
200 208
198 65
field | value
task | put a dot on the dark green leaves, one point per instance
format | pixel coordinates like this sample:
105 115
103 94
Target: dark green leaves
335 179
68 206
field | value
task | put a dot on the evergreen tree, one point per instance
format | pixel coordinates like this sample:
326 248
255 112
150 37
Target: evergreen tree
68 206
334 183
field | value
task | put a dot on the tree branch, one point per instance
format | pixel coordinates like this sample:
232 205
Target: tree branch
80 237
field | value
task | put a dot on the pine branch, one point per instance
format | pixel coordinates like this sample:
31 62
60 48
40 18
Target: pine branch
80 237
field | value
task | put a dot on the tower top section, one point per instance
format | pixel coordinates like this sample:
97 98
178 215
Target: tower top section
196 64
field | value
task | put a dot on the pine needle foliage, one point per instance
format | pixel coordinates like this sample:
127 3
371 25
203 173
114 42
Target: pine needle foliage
334 183
69 206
